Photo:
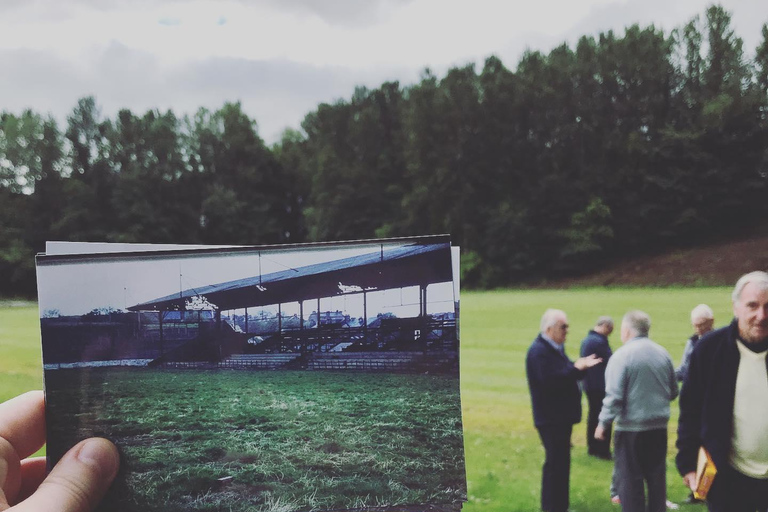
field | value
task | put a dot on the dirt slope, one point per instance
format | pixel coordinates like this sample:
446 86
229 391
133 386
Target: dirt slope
716 264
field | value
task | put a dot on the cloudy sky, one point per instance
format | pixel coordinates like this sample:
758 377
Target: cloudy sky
281 58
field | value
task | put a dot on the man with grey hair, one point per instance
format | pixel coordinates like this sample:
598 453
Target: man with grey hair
596 342
703 321
639 385
724 404
556 403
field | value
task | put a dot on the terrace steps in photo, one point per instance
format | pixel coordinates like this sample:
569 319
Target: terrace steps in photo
259 361
387 361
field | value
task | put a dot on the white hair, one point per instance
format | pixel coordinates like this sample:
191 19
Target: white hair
550 318
758 277
702 312
638 322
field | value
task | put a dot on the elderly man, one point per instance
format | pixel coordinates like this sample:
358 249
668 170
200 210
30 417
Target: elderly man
724 404
556 401
639 385
593 384
703 321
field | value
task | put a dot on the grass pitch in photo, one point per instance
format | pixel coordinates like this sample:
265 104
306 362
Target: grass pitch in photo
307 378
267 441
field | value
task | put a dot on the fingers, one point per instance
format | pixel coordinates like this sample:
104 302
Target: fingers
79 480
22 423
32 474
22 432
690 480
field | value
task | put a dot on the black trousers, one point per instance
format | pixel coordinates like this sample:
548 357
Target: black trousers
555 474
733 491
597 446
641 460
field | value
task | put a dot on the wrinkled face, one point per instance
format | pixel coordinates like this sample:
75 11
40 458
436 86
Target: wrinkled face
751 310
703 325
559 331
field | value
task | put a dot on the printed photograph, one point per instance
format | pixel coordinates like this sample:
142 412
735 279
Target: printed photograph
281 378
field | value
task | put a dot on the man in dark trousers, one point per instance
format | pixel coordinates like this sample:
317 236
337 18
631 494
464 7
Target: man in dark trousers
639 385
556 402
593 384
724 404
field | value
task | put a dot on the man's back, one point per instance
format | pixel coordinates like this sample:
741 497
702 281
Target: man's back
595 343
640 383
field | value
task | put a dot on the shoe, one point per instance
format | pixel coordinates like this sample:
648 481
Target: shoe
615 500
672 506
692 500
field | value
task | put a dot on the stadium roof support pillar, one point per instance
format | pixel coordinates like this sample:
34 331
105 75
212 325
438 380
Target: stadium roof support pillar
279 319
365 317
160 315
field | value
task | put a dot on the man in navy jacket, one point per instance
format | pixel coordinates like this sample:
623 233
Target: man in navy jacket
556 402
724 404
596 343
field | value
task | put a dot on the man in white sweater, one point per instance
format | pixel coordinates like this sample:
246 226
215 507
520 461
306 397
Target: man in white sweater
724 404
639 385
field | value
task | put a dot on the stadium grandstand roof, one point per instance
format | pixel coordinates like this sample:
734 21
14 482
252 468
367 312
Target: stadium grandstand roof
415 264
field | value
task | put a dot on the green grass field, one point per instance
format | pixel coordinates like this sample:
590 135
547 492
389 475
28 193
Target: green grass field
290 440
503 452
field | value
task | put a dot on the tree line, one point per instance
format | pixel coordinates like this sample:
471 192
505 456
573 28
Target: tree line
624 143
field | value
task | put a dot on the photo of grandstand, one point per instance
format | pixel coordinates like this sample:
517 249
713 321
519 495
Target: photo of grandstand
220 322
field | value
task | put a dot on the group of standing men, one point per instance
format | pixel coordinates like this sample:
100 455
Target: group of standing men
723 404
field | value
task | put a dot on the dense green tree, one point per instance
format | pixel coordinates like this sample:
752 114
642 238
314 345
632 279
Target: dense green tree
291 155
88 214
149 202
356 165
761 65
236 166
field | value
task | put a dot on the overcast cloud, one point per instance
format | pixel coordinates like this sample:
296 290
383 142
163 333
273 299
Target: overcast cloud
282 58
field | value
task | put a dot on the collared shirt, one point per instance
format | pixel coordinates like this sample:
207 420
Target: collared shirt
560 348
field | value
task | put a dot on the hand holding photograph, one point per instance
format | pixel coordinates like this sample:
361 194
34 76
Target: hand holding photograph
312 377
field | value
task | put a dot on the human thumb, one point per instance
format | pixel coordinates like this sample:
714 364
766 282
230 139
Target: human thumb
79 480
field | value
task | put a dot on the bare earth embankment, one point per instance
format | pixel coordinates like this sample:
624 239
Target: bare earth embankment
715 264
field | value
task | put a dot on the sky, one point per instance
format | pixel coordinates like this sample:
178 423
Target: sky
282 58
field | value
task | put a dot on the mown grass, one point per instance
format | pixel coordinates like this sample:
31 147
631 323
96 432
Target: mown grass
300 440
503 451
20 352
